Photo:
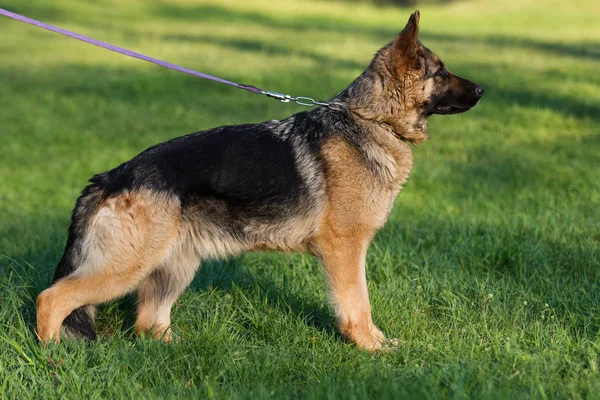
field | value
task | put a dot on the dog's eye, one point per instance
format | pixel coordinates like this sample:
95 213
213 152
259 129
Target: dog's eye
442 73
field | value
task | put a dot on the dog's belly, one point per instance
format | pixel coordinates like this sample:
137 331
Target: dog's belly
215 228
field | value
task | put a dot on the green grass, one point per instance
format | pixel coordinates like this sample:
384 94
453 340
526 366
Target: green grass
488 270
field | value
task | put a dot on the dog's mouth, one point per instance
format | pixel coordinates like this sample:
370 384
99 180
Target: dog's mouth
456 101
444 109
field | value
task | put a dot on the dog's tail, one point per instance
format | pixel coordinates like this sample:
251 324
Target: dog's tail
80 323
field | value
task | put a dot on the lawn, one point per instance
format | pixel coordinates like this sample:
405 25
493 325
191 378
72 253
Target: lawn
488 271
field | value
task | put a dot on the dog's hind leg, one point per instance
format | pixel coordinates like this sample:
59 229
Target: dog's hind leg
158 292
126 238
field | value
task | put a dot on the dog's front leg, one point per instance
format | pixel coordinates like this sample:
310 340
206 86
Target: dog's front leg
343 259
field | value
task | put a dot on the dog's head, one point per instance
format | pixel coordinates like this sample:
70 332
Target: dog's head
406 83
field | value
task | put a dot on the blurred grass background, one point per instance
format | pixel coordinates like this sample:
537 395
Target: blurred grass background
488 270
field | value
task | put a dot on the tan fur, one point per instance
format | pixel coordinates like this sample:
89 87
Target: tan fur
359 200
392 90
362 182
128 237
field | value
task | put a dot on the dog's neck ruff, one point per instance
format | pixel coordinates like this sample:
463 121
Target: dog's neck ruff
380 124
391 130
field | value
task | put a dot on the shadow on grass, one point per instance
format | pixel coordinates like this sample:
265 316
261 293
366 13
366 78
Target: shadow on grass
505 97
227 275
586 50
37 10
213 13
104 83
267 48
326 24
165 93
329 24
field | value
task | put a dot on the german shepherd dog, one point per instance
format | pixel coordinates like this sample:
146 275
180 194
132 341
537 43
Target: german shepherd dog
321 182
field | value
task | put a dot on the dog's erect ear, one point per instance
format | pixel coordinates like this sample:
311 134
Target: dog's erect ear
406 42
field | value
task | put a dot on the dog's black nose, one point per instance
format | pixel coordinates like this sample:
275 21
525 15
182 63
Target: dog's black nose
479 90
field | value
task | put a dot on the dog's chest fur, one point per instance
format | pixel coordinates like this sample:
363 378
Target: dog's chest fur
362 182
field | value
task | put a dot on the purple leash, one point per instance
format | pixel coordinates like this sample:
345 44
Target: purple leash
304 101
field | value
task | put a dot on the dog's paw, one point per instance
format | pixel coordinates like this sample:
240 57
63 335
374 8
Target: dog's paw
376 341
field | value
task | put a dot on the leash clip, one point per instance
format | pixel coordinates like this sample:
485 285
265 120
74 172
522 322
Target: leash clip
284 98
